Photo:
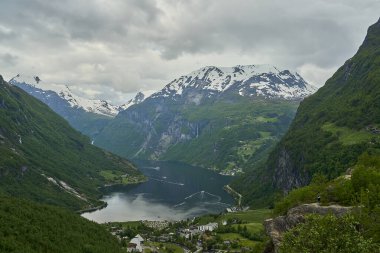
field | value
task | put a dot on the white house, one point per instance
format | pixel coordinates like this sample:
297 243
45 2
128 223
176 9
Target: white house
135 245
208 227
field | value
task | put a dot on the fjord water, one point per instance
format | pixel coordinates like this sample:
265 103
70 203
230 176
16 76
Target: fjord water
174 191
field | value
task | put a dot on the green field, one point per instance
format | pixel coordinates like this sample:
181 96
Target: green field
251 227
243 242
164 247
349 136
250 216
118 177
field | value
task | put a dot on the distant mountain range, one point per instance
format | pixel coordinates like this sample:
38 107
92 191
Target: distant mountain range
235 114
218 118
88 116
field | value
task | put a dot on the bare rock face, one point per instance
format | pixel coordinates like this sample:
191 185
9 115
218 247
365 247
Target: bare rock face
286 175
279 225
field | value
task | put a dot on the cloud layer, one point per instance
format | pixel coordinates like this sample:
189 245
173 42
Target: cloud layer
111 49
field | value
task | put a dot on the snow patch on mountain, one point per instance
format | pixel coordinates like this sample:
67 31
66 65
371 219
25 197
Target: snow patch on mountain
101 107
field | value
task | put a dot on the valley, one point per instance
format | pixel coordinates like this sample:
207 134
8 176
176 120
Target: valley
133 126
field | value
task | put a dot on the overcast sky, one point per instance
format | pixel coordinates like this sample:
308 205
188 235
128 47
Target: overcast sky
111 49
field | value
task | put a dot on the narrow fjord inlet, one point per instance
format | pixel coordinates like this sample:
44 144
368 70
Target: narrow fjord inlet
159 126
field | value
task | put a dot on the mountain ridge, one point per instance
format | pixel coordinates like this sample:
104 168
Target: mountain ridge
245 80
203 109
86 115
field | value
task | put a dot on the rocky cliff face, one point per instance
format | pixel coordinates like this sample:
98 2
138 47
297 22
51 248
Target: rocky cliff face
287 176
161 131
276 227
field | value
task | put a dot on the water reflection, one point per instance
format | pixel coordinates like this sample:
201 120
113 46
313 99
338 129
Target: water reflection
175 191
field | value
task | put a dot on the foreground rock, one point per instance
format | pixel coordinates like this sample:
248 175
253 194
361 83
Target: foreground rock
276 227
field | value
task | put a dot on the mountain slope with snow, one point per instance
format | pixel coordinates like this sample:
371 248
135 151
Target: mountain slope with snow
220 118
88 116
38 90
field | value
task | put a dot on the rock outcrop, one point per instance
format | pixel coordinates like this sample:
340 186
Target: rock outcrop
276 227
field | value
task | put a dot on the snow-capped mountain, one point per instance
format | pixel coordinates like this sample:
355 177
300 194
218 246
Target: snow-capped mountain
101 107
201 114
63 92
251 80
88 116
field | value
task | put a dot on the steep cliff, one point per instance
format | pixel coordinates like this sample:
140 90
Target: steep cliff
332 127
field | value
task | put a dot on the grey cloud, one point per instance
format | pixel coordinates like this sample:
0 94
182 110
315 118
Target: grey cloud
8 59
129 45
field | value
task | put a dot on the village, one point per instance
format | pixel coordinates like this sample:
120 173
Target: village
235 230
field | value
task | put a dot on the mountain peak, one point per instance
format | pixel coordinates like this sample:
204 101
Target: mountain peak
140 97
46 93
372 38
245 80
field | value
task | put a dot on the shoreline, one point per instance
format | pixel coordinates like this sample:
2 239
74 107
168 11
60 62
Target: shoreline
92 209
146 179
105 204
237 196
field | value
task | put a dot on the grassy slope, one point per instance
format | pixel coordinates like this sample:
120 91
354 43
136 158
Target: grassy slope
251 220
235 135
329 131
33 136
35 228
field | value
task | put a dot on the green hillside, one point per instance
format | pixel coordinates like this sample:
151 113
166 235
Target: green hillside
34 228
236 135
42 158
227 135
358 232
332 128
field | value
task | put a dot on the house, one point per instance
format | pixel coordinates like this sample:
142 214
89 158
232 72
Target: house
209 227
139 237
135 245
132 247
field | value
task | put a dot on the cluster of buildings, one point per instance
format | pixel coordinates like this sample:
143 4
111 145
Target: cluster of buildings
136 244
189 233
159 225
